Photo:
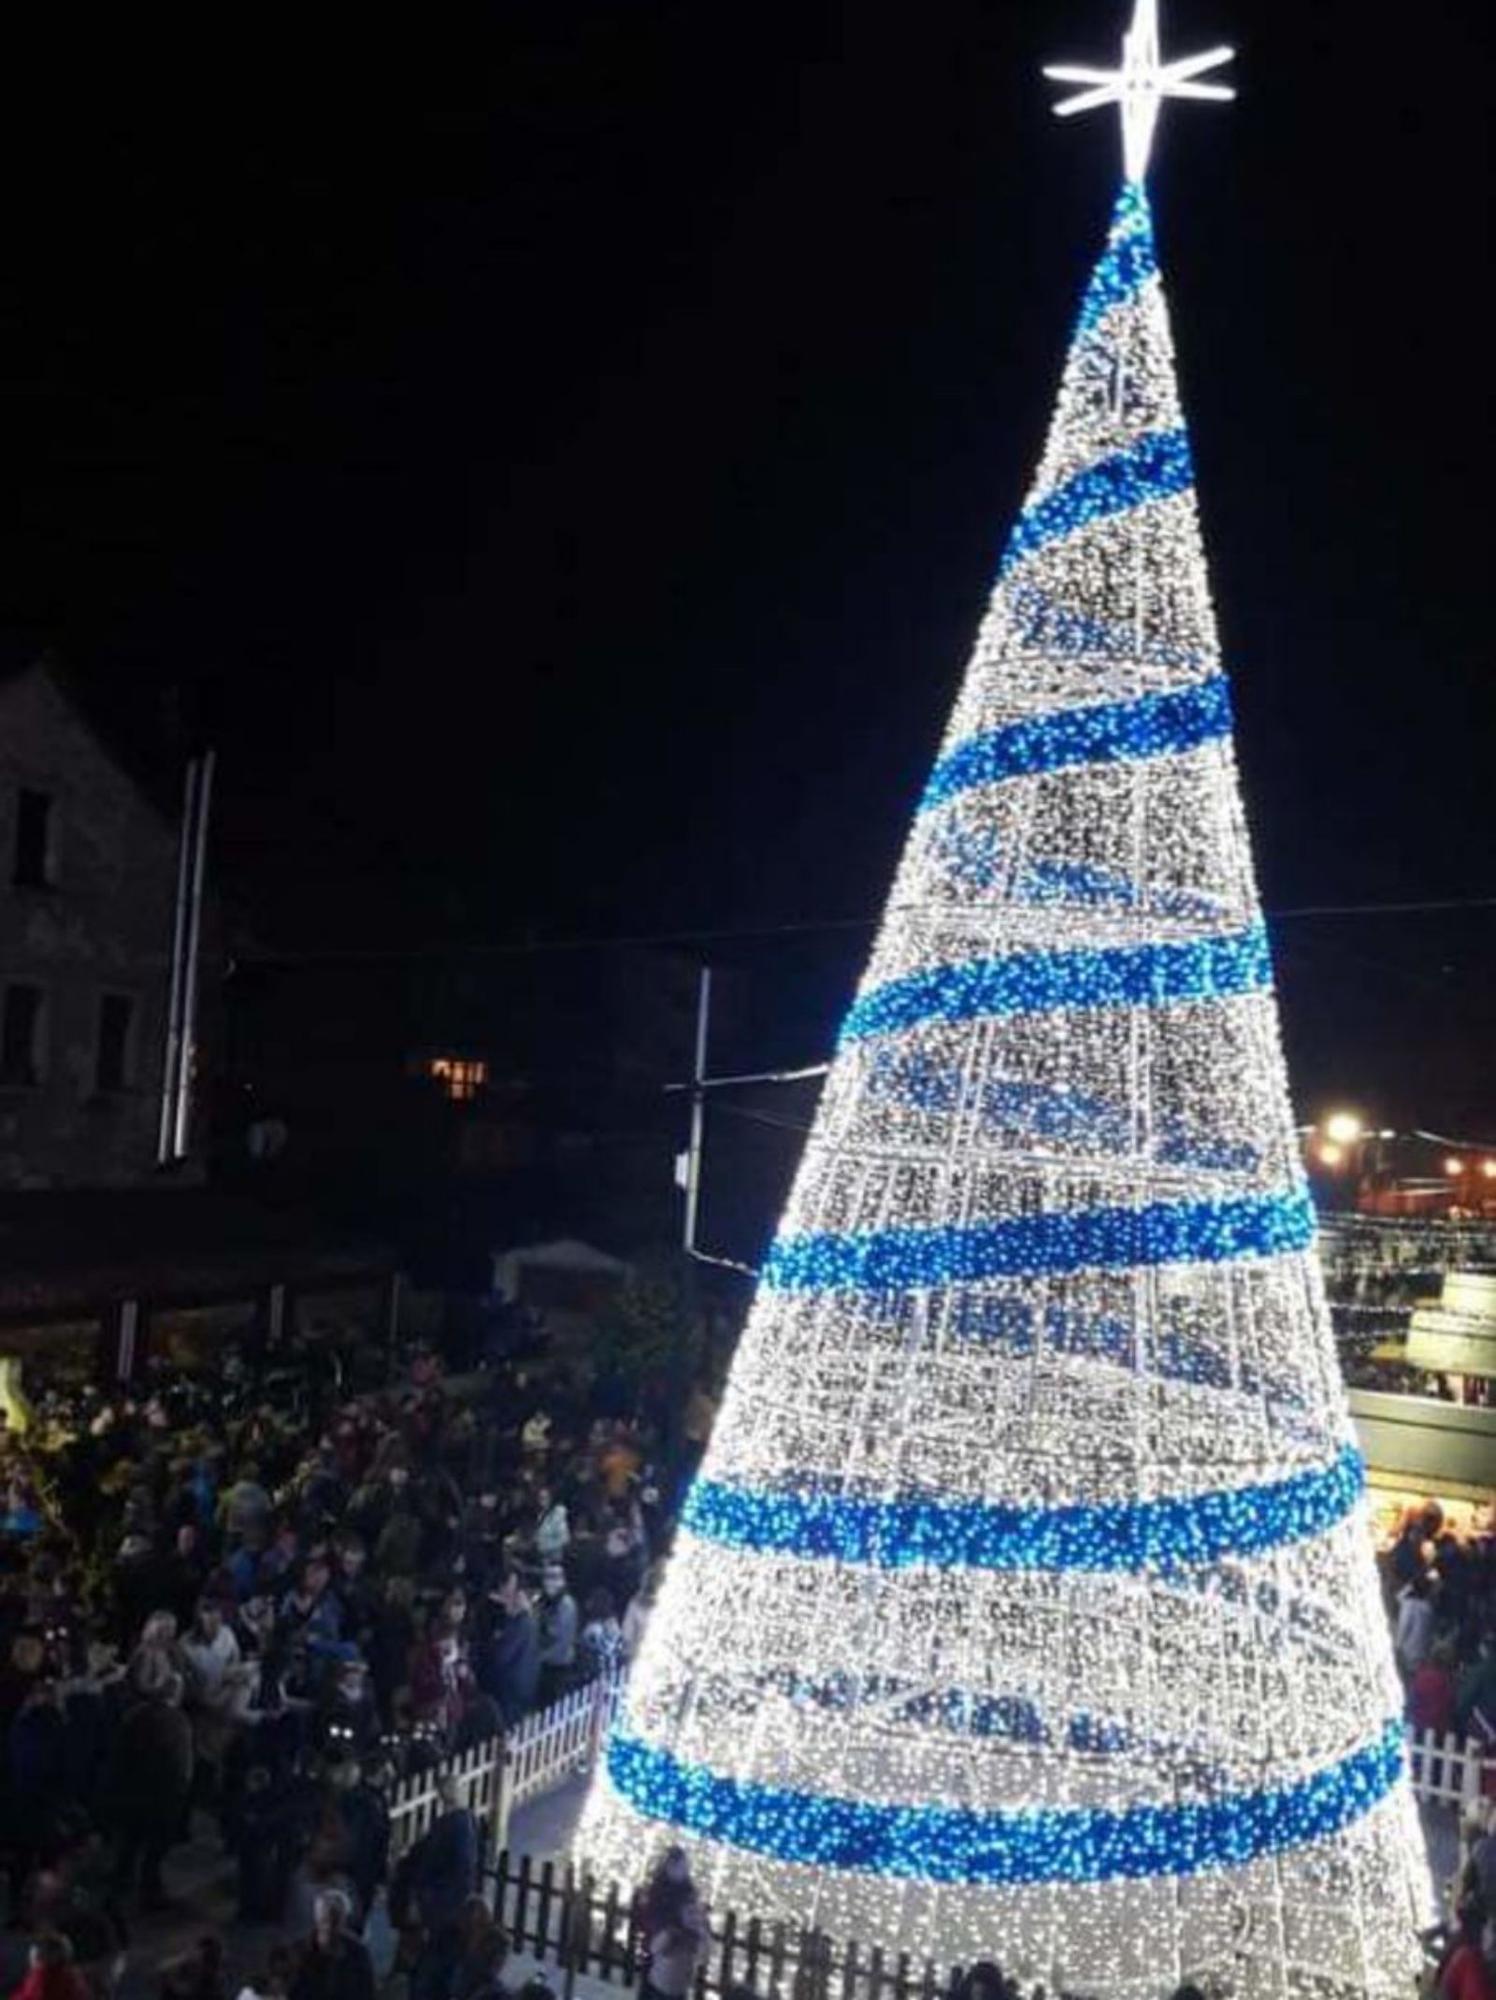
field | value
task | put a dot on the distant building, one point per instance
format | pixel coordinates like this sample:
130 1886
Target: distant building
449 1101
88 872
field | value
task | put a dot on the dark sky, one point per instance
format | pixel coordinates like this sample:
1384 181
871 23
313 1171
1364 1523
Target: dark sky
558 454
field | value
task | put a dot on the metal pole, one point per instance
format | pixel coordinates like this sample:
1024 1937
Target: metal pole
194 941
169 1073
698 1110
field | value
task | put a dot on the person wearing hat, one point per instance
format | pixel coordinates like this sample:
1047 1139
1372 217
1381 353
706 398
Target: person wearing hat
558 1634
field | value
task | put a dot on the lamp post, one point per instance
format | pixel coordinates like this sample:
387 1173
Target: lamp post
1338 1146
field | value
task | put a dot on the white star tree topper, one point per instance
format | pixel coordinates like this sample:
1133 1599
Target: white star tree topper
1140 85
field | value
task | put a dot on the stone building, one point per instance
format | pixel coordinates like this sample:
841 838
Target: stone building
88 872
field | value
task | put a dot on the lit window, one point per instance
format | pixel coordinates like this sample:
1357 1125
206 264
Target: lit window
461 1077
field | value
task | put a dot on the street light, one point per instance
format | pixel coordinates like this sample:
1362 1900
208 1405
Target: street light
1330 1155
1488 1168
1342 1128
1454 1167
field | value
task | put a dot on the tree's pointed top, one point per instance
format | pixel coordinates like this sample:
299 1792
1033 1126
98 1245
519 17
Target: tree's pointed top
1129 259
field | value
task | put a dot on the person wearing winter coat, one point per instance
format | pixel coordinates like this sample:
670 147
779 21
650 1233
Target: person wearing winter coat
558 1635
332 1964
51 1973
443 1866
507 1661
151 1778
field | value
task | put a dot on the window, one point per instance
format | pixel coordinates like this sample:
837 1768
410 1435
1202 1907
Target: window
461 1077
33 839
20 1034
112 1058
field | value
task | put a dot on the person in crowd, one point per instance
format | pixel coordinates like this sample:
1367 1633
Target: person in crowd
1431 1691
197 1974
479 1973
558 1634
346 1724
552 1529
245 1509
983 1981
673 1925
1471 1971
508 1659
50 1971
310 1610
152 1777
1475 1689
273 1980
332 1964
443 1874
186 1571
209 1651
36 1770
441 1676
600 1643
355 1587
1415 1624
364 1828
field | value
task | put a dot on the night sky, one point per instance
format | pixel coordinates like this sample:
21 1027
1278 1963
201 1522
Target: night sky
558 455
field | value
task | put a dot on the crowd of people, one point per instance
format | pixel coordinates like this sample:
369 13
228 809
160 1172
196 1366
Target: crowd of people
230 1610
1441 1598
215 1611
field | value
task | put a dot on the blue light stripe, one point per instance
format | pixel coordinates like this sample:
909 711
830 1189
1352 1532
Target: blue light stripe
1103 1537
1187 1232
1127 263
1038 982
1153 467
1109 732
940 1843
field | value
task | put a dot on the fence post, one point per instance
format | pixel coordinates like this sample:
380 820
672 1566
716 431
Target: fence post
602 1708
569 1940
503 1796
1470 1776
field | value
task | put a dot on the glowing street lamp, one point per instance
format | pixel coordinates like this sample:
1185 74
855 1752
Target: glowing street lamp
1330 1155
1343 1128
1454 1167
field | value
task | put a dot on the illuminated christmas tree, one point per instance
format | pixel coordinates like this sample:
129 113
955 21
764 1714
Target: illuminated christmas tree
1025 1606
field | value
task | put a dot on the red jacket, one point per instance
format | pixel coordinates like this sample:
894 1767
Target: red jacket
52 1982
1431 1699
1467 1976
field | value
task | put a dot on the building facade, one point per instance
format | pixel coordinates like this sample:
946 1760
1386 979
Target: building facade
88 872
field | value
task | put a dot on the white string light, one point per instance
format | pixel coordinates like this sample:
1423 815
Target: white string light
1025 1607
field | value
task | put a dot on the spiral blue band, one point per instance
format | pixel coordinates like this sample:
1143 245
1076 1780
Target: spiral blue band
1129 1536
1038 982
1127 263
1101 1239
937 1843
1155 466
1109 732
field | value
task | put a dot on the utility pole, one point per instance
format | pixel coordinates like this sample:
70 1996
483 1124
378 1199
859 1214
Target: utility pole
171 1066
181 1021
194 953
688 1164
698 1110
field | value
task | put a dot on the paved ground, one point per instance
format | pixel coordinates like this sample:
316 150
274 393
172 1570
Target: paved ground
543 1829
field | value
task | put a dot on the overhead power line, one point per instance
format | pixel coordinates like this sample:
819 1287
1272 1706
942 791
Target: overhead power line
739 933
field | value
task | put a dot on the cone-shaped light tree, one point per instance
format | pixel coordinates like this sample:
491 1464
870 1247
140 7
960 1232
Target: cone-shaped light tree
1025 1606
